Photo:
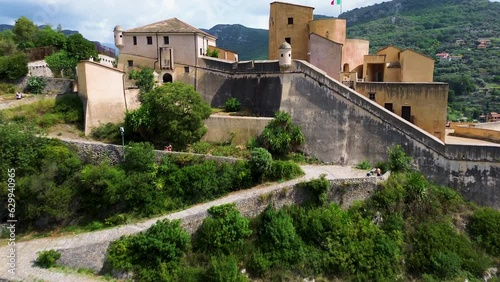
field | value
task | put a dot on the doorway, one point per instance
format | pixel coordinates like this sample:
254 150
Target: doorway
406 113
167 78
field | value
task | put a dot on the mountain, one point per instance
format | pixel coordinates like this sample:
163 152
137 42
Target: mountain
249 43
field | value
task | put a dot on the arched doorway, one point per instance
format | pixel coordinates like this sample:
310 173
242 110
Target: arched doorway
167 78
346 67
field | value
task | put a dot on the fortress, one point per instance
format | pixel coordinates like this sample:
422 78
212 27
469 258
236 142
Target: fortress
351 106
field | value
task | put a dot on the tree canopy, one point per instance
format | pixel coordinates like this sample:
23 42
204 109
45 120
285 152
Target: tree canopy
173 113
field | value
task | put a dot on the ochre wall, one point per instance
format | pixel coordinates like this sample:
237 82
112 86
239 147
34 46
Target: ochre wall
478 133
390 52
326 55
333 29
236 129
225 54
416 67
428 102
102 92
354 52
279 29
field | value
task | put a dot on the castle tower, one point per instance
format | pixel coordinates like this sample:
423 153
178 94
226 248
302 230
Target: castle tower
285 55
289 22
118 31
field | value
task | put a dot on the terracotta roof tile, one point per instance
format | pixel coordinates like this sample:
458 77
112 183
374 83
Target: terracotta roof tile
173 25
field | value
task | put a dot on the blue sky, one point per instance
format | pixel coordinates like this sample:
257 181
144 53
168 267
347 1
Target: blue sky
95 19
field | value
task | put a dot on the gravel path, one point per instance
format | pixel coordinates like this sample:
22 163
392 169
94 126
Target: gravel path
26 252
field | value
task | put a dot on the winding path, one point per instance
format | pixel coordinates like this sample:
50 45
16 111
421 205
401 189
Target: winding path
26 251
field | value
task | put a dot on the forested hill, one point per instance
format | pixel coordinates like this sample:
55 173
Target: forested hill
442 26
249 43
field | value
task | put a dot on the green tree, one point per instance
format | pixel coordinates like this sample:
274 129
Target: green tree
173 113
61 64
144 79
281 136
7 43
260 163
80 48
24 33
49 37
13 67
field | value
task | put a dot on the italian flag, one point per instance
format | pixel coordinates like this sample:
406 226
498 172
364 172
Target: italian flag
335 1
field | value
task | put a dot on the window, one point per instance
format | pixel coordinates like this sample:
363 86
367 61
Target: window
389 107
186 69
371 96
135 40
130 63
150 40
288 40
290 20
281 55
201 51
166 40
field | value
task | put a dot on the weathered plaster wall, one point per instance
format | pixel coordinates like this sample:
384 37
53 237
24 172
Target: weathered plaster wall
488 125
343 127
326 55
236 129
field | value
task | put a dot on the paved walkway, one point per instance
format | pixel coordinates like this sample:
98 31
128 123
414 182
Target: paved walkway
26 252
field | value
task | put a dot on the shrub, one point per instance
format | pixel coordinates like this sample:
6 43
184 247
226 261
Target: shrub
70 106
398 160
384 166
200 147
364 165
283 170
260 163
139 157
108 132
144 79
13 67
318 188
280 136
36 84
484 228
259 264
278 238
7 88
224 268
232 105
224 230
47 259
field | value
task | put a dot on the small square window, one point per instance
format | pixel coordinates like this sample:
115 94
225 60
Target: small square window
130 63
135 40
288 40
281 55
290 20
186 69
150 40
166 40
201 51
371 96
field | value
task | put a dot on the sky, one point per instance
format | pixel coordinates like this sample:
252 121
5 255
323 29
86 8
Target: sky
95 19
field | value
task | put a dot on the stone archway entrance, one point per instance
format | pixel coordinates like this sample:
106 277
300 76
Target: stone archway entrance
167 78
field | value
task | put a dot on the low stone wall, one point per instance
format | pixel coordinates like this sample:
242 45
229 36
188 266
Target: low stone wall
236 129
95 153
488 125
477 133
54 85
342 191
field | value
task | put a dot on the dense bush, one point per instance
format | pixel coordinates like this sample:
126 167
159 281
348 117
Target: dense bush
36 84
398 160
260 163
317 188
283 170
224 230
232 105
224 268
108 132
280 136
7 88
437 249
364 165
144 79
139 157
13 67
484 227
164 243
47 259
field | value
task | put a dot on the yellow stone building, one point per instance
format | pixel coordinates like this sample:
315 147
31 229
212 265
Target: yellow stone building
399 80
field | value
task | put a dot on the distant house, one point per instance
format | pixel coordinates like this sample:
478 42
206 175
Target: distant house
493 116
483 43
456 58
460 42
443 56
